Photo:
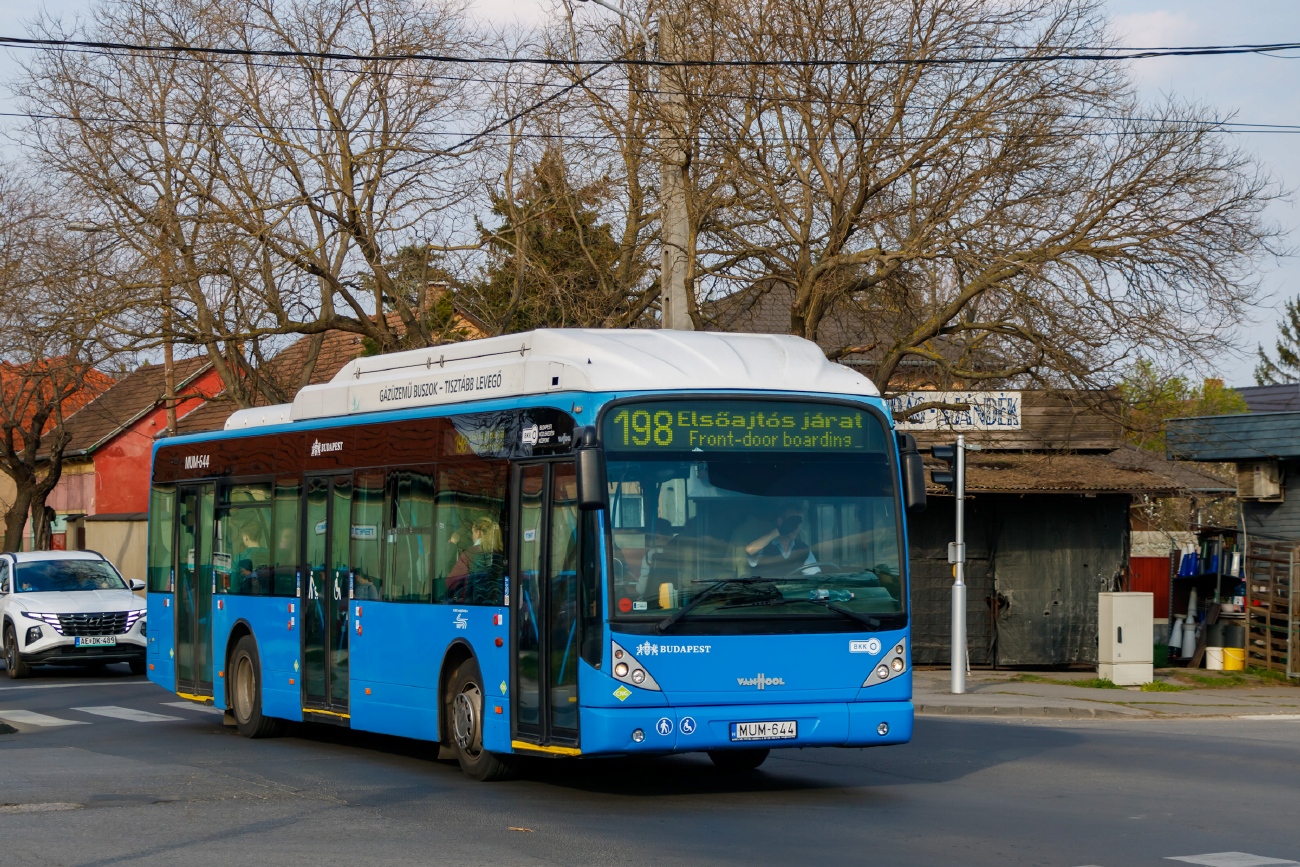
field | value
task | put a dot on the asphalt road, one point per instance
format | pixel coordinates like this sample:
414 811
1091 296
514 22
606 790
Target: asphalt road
114 785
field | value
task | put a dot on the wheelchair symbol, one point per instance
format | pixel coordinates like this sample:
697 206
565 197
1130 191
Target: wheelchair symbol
664 726
688 725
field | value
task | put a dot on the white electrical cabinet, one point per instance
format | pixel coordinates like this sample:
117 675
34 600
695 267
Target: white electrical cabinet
1125 639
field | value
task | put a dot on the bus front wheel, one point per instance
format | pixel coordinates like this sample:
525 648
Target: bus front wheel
738 761
245 699
465 704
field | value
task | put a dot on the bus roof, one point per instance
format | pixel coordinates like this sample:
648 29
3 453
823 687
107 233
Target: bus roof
566 359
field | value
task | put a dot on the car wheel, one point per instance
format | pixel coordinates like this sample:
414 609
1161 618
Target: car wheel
245 698
464 715
14 665
738 761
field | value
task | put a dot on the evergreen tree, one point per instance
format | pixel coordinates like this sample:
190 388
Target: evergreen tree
551 261
1287 366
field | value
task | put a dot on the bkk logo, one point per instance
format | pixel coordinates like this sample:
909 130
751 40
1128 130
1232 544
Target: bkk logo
761 681
319 448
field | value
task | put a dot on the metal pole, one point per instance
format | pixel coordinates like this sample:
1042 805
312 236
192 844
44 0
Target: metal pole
958 558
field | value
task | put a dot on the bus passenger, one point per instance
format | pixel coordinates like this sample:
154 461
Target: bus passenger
780 552
481 560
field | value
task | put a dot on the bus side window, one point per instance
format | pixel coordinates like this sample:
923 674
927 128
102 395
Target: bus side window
286 512
162 523
367 527
471 525
408 562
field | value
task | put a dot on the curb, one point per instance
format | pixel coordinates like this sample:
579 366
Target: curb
1025 711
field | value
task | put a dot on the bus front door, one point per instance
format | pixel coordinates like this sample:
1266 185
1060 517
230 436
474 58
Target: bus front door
545 605
325 595
193 553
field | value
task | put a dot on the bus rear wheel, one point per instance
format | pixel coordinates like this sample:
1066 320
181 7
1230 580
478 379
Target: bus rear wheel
245 699
738 761
464 715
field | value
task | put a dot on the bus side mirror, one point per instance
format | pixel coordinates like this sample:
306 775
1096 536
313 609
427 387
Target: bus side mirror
593 492
909 460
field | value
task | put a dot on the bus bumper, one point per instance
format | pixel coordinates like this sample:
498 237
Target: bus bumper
612 731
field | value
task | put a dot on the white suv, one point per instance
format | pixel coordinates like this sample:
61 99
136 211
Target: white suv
68 608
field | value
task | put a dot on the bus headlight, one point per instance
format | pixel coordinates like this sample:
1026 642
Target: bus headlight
892 665
631 670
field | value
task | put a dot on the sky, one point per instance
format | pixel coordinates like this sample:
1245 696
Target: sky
1253 88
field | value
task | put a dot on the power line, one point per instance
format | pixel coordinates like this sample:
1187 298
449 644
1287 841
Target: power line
494 131
1051 54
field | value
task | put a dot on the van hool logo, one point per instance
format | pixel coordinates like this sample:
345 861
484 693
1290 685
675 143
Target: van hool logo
197 462
760 681
319 448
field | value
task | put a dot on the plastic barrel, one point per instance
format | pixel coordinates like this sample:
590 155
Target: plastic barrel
1234 658
1234 635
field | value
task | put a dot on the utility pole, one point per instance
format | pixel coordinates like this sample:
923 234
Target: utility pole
674 236
675 232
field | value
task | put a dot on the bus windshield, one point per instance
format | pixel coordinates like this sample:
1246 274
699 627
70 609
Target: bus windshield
726 511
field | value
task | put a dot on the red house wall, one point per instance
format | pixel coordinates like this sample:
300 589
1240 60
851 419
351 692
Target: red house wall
122 464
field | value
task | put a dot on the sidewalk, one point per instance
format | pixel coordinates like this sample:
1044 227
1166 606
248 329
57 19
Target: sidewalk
1051 695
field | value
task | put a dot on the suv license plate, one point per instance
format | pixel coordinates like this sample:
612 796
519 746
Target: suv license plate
779 730
96 641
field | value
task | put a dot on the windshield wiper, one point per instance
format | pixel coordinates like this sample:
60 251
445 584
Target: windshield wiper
867 619
664 625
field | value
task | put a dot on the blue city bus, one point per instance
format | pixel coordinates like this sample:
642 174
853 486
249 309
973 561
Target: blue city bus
559 543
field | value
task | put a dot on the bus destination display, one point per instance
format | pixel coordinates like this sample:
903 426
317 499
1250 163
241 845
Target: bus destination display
739 426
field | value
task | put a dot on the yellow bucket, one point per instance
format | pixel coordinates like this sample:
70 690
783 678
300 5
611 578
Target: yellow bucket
1234 658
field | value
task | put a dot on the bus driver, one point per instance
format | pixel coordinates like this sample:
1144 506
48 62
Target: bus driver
780 552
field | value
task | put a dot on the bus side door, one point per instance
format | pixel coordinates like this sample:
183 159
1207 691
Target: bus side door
194 579
545 604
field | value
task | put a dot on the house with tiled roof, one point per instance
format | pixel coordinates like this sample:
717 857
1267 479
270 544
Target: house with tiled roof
102 499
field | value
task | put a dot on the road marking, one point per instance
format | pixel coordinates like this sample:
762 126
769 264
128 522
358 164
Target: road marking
1269 716
123 682
38 808
27 717
126 713
1230 859
189 705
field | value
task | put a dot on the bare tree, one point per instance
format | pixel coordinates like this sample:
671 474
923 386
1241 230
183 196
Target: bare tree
52 317
264 197
991 220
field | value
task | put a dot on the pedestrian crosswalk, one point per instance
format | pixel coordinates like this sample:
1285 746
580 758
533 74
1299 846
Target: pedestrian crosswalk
31 718
112 711
23 718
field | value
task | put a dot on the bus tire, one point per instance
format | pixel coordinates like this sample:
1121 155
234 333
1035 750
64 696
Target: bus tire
738 761
464 715
14 665
246 692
